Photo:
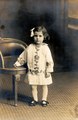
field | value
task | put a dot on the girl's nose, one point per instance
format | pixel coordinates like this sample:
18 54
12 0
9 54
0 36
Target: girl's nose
38 37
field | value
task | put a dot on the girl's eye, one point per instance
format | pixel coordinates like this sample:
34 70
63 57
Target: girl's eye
37 35
40 35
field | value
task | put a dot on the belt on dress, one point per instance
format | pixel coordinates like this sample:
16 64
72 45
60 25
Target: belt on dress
35 71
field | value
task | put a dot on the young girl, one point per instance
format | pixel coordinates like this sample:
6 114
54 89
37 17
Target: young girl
40 64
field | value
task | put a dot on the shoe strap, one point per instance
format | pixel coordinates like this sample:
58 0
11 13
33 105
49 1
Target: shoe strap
45 102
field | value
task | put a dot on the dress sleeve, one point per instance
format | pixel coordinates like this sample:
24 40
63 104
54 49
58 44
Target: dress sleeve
21 60
49 60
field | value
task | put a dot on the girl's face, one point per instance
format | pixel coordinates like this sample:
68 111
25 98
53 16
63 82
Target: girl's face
38 37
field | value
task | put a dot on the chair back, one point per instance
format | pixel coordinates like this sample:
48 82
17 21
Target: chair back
10 48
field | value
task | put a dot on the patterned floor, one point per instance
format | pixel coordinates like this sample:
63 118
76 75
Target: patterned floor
63 102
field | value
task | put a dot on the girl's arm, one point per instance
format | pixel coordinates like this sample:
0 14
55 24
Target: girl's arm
21 60
49 61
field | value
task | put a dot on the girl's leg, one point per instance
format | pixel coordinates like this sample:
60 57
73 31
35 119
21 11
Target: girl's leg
34 92
44 101
45 92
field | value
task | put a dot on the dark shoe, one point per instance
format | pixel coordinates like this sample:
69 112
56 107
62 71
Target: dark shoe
44 103
33 103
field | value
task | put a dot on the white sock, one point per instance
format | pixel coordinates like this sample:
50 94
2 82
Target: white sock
45 92
34 92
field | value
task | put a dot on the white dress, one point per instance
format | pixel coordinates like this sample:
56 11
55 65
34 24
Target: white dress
39 61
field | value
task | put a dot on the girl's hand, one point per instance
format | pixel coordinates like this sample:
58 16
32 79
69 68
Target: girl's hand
17 64
47 74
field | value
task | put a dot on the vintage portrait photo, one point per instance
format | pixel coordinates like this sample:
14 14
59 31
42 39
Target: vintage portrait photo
38 59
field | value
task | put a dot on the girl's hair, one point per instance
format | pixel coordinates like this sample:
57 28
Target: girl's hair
44 31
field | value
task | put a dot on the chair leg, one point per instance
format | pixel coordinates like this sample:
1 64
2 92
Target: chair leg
14 80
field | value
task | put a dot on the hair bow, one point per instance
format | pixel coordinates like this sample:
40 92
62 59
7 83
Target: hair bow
32 33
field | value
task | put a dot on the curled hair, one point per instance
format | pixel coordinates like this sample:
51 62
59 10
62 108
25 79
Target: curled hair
44 31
